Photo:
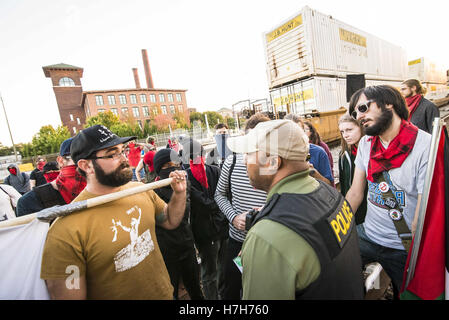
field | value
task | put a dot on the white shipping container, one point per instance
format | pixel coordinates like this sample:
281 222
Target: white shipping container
435 90
426 71
312 44
316 94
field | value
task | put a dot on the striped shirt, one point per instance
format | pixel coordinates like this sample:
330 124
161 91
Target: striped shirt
244 196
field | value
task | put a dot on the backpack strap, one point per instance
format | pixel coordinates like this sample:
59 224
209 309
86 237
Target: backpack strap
231 169
395 210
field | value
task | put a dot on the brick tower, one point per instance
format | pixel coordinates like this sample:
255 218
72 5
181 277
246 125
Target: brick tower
66 80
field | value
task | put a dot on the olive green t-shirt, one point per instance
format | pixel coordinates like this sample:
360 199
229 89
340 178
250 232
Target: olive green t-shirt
113 245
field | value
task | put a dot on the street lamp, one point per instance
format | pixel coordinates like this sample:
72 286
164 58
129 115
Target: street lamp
9 129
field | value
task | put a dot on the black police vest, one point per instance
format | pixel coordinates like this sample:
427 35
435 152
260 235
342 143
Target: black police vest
325 220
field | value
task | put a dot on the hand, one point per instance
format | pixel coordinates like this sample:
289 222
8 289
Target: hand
179 182
239 222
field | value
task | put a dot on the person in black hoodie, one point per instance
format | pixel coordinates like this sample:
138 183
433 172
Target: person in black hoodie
209 225
177 245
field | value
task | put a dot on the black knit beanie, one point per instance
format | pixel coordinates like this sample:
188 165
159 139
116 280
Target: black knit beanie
162 157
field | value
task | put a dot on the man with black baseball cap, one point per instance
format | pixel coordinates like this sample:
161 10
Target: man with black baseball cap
110 250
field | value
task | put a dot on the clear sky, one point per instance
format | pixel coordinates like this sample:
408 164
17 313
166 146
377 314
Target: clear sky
212 48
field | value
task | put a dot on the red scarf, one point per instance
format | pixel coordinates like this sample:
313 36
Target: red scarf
51 175
382 159
199 171
70 183
412 103
354 150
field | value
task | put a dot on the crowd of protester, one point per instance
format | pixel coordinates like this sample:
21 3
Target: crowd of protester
222 210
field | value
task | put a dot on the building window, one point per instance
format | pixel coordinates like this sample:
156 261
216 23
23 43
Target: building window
155 111
170 97
74 130
143 98
122 98
180 108
178 97
100 111
133 98
164 109
78 121
152 97
125 111
172 109
114 111
99 100
66 82
161 97
146 112
139 122
71 117
136 112
111 100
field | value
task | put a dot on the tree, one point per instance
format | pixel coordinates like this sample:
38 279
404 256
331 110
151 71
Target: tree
108 119
48 139
197 116
162 121
213 118
230 122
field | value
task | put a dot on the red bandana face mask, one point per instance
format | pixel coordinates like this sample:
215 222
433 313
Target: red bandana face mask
40 165
13 171
199 171
382 159
50 176
70 183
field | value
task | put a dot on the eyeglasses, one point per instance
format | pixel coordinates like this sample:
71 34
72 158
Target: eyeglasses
114 156
362 108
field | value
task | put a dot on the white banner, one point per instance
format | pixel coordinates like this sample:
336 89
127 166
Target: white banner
20 261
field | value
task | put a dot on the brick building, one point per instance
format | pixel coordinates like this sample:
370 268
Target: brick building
138 104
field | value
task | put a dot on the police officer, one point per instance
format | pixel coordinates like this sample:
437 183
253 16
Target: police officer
303 243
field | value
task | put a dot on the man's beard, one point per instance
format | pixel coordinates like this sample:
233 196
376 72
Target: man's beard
382 123
120 176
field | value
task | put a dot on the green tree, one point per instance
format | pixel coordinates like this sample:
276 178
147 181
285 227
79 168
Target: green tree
108 119
49 139
213 118
197 116
230 122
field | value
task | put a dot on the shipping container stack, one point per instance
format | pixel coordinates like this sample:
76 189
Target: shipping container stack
309 55
432 77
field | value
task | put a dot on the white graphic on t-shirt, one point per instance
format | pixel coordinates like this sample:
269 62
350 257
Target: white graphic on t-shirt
140 246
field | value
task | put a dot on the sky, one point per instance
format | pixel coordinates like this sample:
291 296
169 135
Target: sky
213 49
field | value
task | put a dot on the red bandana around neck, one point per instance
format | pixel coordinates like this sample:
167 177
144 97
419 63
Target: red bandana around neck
354 150
412 103
199 171
382 159
70 183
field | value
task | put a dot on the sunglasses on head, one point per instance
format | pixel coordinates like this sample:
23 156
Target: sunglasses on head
362 108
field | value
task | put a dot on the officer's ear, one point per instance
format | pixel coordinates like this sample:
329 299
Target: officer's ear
275 162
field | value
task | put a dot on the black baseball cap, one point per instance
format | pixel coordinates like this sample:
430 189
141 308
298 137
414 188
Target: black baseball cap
92 139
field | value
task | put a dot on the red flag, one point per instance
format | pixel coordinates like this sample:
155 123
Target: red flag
428 281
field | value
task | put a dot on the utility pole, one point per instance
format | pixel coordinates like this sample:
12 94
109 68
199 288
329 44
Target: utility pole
9 129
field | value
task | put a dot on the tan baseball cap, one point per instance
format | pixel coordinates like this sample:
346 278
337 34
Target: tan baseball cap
283 138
